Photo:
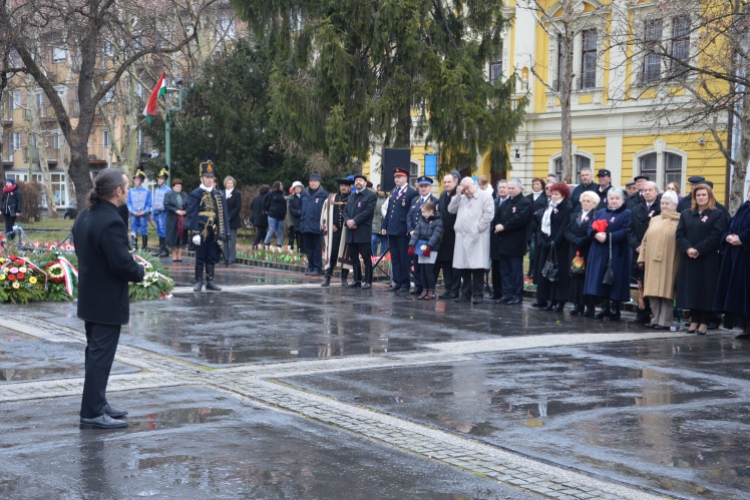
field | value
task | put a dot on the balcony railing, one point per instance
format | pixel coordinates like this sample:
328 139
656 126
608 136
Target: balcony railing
52 154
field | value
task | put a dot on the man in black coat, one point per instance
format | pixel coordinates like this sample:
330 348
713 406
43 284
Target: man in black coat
234 206
451 277
358 215
394 225
509 247
637 197
105 267
644 208
605 184
587 184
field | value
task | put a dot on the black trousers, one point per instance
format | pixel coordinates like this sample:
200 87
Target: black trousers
314 251
473 282
428 276
365 250
400 260
260 235
9 221
208 252
335 256
292 232
511 271
101 344
496 278
300 241
417 273
451 277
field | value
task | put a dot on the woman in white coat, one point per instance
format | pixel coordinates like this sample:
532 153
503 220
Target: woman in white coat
474 211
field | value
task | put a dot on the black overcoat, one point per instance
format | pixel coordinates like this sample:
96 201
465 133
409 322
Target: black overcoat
171 205
514 214
448 239
536 205
596 265
733 290
12 202
640 218
577 235
697 278
360 207
234 205
295 209
260 218
559 220
105 267
275 205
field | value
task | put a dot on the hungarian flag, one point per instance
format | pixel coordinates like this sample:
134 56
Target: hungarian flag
159 90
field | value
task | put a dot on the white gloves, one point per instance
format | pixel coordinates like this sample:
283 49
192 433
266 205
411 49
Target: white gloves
197 240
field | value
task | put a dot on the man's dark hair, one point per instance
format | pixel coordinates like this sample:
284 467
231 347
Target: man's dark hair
105 186
264 189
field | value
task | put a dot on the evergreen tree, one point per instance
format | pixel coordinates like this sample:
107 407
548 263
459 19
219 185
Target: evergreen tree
348 71
226 115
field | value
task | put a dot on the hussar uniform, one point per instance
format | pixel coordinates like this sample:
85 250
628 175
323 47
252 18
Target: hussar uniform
209 228
139 201
159 214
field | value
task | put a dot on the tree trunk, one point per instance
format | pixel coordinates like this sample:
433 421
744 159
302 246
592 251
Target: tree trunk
566 86
3 101
41 147
403 129
79 168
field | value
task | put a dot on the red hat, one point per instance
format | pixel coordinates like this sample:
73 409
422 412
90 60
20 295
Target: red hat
400 171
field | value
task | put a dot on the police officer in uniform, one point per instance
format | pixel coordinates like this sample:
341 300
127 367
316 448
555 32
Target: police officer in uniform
424 184
208 223
139 205
159 214
332 221
360 210
394 226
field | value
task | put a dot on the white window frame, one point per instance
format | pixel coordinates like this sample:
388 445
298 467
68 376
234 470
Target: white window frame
660 148
15 142
39 96
59 55
15 100
552 159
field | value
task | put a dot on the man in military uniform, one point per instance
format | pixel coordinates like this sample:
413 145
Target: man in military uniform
394 226
139 205
424 184
208 223
332 222
360 210
159 214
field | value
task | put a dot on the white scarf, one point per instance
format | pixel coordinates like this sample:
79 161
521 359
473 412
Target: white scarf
547 218
536 195
228 193
206 189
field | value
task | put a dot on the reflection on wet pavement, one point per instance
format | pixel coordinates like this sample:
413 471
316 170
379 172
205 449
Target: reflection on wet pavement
667 415
24 358
193 443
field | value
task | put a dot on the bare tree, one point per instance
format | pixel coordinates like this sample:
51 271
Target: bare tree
693 60
564 21
81 27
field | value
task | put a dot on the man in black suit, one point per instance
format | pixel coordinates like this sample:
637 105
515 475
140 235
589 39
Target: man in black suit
509 229
105 267
358 215
645 207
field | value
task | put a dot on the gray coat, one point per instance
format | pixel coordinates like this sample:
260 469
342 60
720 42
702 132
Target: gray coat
474 216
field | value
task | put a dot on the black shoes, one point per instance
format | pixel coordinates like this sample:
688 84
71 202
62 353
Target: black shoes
495 297
326 280
589 312
559 307
539 304
577 309
354 284
366 286
514 302
416 291
102 422
448 295
477 300
394 288
463 299
113 412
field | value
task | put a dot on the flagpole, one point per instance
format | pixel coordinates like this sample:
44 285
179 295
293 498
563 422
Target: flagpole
168 128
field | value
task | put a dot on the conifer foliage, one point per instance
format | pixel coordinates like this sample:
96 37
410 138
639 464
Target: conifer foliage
349 72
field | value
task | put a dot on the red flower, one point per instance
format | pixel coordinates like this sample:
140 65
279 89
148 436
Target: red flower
13 258
11 277
21 276
600 226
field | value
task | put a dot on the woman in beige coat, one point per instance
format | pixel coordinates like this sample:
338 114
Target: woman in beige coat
660 259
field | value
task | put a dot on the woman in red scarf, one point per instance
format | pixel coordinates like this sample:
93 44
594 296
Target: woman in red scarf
11 206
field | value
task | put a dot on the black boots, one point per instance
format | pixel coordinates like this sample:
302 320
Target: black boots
198 278
327 279
589 311
614 312
344 278
577 309
210 285
162 252
604 312
144 241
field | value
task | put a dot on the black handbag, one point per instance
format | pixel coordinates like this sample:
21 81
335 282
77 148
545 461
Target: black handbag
549 270
609 274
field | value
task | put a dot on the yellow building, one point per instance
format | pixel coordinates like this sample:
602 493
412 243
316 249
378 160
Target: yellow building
612 108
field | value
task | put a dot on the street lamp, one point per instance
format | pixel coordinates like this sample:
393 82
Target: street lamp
167 138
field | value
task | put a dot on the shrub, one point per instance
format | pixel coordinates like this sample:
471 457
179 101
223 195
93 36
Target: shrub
32 201
246 212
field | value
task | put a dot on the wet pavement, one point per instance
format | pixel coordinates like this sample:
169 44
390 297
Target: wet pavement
417 385
193 443
24 358
668 415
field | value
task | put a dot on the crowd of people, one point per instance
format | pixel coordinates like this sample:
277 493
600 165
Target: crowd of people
589 246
